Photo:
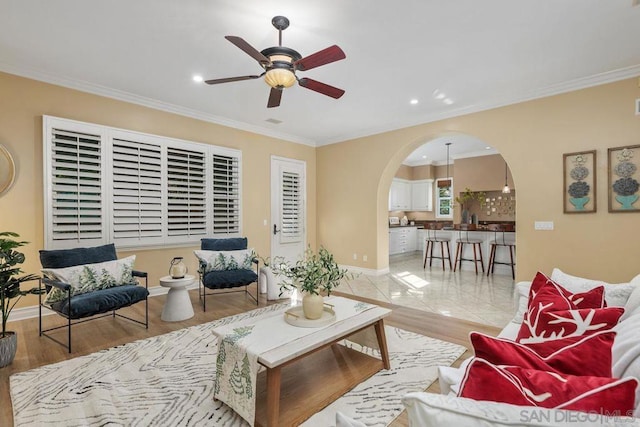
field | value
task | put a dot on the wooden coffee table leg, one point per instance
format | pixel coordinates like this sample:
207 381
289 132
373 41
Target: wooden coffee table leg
382 343
273 396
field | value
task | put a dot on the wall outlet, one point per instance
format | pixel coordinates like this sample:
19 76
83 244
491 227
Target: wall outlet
264 222
543 225
364 258
355 256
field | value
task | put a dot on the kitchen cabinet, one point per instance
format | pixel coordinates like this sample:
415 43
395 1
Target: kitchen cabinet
402 239
422 195
400 195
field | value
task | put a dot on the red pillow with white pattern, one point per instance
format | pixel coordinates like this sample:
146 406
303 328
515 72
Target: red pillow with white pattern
553 325
564 356
545 294
530 387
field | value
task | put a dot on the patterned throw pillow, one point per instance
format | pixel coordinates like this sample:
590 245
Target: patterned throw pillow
226 260
530 387
564 356
90 277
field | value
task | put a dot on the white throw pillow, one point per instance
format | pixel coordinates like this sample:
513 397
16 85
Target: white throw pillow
436 410
90 277
626 352
615 294
226 260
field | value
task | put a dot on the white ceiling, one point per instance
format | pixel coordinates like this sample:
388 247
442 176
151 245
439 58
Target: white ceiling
481 54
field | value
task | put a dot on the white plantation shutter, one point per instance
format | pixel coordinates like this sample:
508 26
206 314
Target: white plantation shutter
291 208
226 194
136 192
186 193
75 204
107 185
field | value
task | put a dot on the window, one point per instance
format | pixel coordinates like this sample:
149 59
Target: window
444 198
106 185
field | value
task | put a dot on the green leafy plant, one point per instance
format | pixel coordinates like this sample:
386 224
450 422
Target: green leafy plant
469 196
314 273
10 261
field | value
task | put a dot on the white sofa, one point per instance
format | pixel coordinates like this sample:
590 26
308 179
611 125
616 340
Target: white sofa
428 409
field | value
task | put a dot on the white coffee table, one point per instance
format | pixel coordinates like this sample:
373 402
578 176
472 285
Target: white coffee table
178 305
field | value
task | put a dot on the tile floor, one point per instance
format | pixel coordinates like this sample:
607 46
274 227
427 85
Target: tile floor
464 295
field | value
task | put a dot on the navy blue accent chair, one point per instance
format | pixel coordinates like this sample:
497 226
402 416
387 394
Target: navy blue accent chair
225 279
91 305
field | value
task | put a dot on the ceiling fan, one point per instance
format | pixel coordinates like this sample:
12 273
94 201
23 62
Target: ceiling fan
280 64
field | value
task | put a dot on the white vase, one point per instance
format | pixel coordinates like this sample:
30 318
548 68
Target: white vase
312 306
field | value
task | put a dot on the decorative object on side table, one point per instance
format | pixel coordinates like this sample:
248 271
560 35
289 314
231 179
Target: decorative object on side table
579 182
314 274
10 261
177 270
623 179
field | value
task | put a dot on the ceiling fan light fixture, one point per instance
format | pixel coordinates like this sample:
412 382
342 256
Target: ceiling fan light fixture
279 78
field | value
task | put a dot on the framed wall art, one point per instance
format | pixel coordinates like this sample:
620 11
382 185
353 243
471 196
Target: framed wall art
7 170
579 182
623 179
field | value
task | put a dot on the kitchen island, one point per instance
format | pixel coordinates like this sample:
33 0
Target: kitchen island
486 236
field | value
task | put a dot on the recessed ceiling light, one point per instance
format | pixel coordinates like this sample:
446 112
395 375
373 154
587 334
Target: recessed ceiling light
447 101
198 79
424 157
487 148
413 101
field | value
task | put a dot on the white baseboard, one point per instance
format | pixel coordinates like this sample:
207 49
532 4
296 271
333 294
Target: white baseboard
23 313
366 271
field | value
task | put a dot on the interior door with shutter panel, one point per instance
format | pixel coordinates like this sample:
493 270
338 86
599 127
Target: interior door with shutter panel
288 208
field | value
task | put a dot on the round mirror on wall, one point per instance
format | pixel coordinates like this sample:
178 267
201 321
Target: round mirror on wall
7 170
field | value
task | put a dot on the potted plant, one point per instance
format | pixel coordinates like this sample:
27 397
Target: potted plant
469 196
10 291
315 274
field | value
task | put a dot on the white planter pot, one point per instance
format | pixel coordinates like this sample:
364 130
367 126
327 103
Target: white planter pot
312 306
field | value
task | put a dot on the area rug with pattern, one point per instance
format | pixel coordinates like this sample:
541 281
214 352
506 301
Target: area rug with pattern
168 380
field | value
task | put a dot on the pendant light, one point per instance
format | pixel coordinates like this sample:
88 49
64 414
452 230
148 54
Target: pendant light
447 192
506 189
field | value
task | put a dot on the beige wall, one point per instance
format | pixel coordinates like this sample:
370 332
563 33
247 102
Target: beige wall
483 173
354 179
24 101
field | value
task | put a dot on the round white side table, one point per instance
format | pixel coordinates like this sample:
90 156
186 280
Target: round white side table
178 305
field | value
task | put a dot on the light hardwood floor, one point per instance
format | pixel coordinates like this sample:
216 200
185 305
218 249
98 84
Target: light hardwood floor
35 351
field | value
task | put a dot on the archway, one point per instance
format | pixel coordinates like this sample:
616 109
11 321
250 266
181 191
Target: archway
472 155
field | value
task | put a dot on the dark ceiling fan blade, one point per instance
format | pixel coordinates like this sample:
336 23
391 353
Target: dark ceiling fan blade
248 49
322 57
230 79
274 97
320 87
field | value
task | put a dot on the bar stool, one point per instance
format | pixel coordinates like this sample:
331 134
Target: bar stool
500 240
432 240
463 239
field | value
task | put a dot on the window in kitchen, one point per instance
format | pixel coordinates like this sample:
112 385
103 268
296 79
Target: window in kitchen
444 198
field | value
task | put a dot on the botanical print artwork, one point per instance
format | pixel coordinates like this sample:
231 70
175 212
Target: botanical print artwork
580 182
625 186
579 190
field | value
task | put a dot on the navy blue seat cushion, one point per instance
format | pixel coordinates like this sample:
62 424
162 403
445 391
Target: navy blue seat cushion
63 258
101 301
219 279
230 244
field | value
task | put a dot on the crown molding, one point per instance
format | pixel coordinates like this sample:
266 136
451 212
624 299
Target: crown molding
119 95
556 89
